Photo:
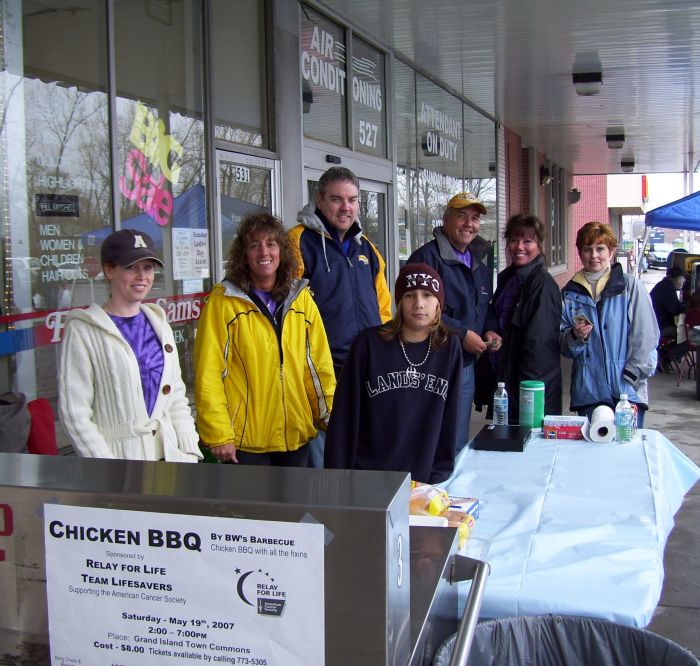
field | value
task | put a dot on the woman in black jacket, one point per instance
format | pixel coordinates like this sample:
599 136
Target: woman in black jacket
528 306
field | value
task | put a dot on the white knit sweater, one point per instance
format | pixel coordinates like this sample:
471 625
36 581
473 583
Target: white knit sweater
101 402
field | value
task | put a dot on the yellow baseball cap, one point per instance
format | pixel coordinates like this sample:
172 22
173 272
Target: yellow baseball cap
464 199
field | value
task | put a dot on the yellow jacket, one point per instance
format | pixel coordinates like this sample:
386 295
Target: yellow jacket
263 392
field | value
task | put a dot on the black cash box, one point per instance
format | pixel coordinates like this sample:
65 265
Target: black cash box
501 438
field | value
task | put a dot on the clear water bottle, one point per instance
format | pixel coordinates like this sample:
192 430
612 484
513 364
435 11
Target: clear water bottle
624 420
500 405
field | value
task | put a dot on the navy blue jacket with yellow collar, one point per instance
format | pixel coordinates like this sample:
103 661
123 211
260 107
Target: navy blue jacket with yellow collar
350 289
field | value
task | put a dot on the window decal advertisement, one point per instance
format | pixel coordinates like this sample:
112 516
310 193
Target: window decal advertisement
152 166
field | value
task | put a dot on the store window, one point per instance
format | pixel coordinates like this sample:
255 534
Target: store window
443 147
409 234
368 115
480 167
239 75
60 183
160 152
55 179
557 216
324 77
440 155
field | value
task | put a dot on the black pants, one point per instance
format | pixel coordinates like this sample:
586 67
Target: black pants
298 458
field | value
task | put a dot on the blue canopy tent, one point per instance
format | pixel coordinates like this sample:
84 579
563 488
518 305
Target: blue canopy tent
680 214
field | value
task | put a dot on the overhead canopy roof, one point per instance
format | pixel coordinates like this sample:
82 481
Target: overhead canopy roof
514 59
681 214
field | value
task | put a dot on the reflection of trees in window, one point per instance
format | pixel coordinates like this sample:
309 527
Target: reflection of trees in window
253 187
189 132
67 151
434 191
369 216
246 137
422 197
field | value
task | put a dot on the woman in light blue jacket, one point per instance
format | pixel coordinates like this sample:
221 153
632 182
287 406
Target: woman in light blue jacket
608 328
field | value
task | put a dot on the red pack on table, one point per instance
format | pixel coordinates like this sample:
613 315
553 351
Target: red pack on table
563 427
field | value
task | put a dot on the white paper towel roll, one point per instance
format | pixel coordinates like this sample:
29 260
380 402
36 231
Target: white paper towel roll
602 426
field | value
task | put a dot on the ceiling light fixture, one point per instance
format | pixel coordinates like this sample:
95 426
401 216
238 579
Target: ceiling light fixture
615 139
627 166
587 83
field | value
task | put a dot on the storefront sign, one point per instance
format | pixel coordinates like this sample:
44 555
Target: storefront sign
444 135
62 255
129 588
367 99
324 70
31 330
440 181
321 62
57 205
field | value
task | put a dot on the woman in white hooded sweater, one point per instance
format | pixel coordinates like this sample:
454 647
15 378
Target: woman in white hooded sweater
121 393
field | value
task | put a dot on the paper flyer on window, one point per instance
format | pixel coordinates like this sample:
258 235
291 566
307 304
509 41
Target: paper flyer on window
130 587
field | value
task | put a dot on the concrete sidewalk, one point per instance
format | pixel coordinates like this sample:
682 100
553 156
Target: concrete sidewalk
675 412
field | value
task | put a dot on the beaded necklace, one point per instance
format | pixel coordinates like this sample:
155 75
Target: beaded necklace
411 370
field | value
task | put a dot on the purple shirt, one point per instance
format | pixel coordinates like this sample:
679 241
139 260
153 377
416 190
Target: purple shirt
144 342
506 302
266 297
465 257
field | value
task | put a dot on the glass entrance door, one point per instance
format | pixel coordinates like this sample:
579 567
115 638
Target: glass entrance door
246 184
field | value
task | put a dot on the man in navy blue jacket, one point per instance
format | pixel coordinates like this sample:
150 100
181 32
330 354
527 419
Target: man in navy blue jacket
458 254
345 270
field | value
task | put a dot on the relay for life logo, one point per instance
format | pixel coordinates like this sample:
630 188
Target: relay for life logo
259 589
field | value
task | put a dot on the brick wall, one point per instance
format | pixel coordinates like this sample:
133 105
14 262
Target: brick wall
593 205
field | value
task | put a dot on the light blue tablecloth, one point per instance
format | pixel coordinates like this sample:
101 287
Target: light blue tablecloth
575 528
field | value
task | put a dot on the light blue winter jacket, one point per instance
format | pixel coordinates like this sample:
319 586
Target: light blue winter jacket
620 353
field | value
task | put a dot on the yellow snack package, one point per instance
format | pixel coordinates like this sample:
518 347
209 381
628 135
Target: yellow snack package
463 521
427 500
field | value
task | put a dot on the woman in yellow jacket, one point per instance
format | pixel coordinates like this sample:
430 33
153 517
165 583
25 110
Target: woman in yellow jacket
264 377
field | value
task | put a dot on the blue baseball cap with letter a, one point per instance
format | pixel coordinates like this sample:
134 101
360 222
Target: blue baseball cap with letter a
126 247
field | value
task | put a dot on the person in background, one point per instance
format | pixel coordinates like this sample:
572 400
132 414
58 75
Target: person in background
528 307
398 396
121 393
346 272
264 376
458 254
608 328
667 305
